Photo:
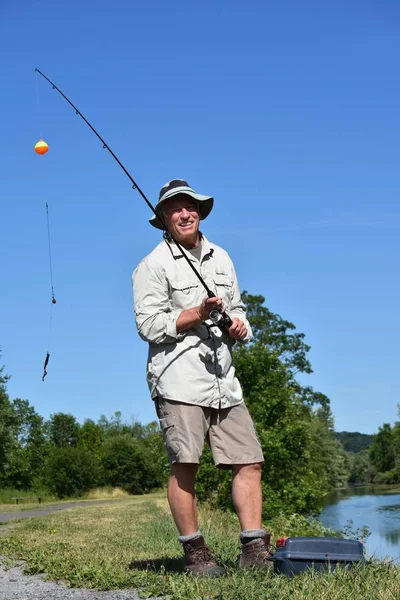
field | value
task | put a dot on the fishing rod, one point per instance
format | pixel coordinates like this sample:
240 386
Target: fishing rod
219 318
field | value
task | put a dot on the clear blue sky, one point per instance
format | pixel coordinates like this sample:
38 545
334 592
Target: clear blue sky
288 113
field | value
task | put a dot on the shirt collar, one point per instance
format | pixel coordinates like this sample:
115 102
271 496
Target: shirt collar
208 248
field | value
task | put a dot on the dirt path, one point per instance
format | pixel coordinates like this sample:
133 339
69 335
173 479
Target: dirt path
46 509
14 585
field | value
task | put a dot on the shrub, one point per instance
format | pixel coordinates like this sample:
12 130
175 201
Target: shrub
71 471
127 464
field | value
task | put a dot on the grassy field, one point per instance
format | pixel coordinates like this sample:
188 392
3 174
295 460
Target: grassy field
133 543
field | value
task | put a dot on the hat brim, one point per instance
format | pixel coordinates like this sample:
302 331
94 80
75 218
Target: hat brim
205 205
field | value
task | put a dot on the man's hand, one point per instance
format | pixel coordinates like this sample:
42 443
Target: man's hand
209 304
238 329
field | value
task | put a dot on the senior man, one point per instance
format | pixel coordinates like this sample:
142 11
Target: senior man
191 376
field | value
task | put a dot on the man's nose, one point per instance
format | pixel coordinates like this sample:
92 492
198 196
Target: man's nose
184 213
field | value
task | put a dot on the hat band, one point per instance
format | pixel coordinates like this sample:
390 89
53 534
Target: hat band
173 184
182 189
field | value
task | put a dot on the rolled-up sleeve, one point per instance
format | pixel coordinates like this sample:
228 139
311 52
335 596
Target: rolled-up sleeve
155 318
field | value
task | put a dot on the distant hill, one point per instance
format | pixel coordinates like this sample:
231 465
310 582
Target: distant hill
353 441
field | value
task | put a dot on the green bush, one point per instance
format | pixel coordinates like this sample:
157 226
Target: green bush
388 477
127 464
71 471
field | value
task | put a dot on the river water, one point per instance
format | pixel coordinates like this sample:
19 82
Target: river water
377 509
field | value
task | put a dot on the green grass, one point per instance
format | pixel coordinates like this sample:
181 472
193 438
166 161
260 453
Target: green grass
7 495
95 547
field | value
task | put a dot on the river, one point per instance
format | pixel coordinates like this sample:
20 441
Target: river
377 509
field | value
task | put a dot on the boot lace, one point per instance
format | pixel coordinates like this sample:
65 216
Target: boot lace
202 554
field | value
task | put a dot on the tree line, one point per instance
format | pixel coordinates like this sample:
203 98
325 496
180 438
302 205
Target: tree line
377 459
304 458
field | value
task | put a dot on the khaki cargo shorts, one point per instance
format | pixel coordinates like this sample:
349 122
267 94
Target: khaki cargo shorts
229 432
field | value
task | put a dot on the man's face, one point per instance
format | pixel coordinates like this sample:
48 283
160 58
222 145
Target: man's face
181 215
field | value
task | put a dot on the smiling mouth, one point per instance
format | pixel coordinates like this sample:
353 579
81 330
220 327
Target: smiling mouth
186 225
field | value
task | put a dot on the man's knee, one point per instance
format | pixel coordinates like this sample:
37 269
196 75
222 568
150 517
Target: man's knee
184 472
249 470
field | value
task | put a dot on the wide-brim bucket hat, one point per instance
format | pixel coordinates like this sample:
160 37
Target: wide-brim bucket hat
180 186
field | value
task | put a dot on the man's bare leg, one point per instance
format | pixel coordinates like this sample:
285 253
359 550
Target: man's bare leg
182 501
181 497
247 498
247 495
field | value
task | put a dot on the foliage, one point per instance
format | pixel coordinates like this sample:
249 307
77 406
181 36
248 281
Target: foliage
333 460
72 471
91 437
353 441
127 465
275 334
361 470
304 457
63 430
294 423
6 431
382 450
26 460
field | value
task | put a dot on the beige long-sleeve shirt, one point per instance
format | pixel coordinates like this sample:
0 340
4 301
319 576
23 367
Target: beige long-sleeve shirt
194 366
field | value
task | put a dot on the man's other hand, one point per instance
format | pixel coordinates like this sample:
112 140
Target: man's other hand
238 329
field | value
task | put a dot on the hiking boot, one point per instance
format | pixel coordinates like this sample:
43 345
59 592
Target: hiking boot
199 560
257 553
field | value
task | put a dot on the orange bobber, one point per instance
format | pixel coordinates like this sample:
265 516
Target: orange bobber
41 147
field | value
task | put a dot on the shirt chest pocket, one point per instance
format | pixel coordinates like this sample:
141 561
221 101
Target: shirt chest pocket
223 287
184 294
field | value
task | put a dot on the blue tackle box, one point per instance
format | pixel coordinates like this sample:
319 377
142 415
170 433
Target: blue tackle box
297 554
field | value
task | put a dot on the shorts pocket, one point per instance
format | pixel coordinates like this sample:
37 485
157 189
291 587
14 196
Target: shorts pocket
170 434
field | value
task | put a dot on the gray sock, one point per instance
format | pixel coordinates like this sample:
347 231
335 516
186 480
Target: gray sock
249 535
187 538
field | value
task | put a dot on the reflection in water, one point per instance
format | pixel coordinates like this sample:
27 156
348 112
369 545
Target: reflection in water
378 511
393 537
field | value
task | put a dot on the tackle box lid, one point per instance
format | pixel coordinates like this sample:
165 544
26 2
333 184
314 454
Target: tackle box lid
320 548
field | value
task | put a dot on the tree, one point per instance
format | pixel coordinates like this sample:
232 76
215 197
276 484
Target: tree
275 334
331 456
63 430
91 437
294 423
128 464
361 469
291 480
6 430
70 471
29 448
353 441
382 451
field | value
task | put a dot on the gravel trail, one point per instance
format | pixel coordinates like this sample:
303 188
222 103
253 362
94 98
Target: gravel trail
6 517
14 585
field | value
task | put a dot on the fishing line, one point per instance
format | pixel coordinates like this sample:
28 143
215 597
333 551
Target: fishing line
53 298
225 320
38 105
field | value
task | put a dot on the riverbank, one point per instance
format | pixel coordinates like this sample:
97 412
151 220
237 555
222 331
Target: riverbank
132 545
